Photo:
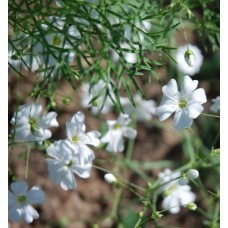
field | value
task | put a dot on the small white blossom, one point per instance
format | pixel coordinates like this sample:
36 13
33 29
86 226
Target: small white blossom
144 108
110 178
192 174
117 129
65 163
194 61
19 201
30 125
79 139
103 103
187 104
176 195
216 104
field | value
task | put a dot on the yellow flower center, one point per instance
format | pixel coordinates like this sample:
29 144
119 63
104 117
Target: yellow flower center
69 164
21 198
74 139
56 40
117 126
33 124
182 103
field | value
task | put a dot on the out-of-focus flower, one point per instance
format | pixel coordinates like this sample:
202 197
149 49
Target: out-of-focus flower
30 125
64 163
216 104
110 178
176 195
19 201
117 129
190 63
144 108
186 104
102 102
192 174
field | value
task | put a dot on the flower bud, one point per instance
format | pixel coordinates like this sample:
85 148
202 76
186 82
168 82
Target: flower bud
156 215
66 101
191 206
192 174
109 178
189 58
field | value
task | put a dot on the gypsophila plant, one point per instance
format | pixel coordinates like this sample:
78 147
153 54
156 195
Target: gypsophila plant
93 85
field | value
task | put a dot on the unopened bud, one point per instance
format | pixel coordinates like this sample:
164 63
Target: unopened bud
110 178
192 206
66 101
156 215
189 58
192 174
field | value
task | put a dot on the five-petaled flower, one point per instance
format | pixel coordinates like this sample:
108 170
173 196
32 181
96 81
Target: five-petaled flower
186 104
117 129
30 125
20 199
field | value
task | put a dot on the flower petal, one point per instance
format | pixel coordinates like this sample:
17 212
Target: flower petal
49 120
68 181
171 89
165 111
188 85
19 187
194 110
29 214
36 195
198 96
182 120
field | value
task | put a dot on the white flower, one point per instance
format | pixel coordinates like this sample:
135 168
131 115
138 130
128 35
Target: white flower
144 108
176 195
79 139
216 104
19 201
30 125
117 129
64 163
110 178
185 66
186 104
192 174
102 103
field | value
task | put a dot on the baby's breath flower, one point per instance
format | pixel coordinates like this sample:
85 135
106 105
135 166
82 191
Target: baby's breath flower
216 104
30 125
186 104
117 130
20 199
175 194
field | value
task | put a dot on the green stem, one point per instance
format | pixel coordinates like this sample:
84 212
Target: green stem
210 115
27 163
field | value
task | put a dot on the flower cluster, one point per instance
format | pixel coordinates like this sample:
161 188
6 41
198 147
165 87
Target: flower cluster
72 155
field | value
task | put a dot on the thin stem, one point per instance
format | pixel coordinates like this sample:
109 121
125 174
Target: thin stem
185 36
210 115
27 163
